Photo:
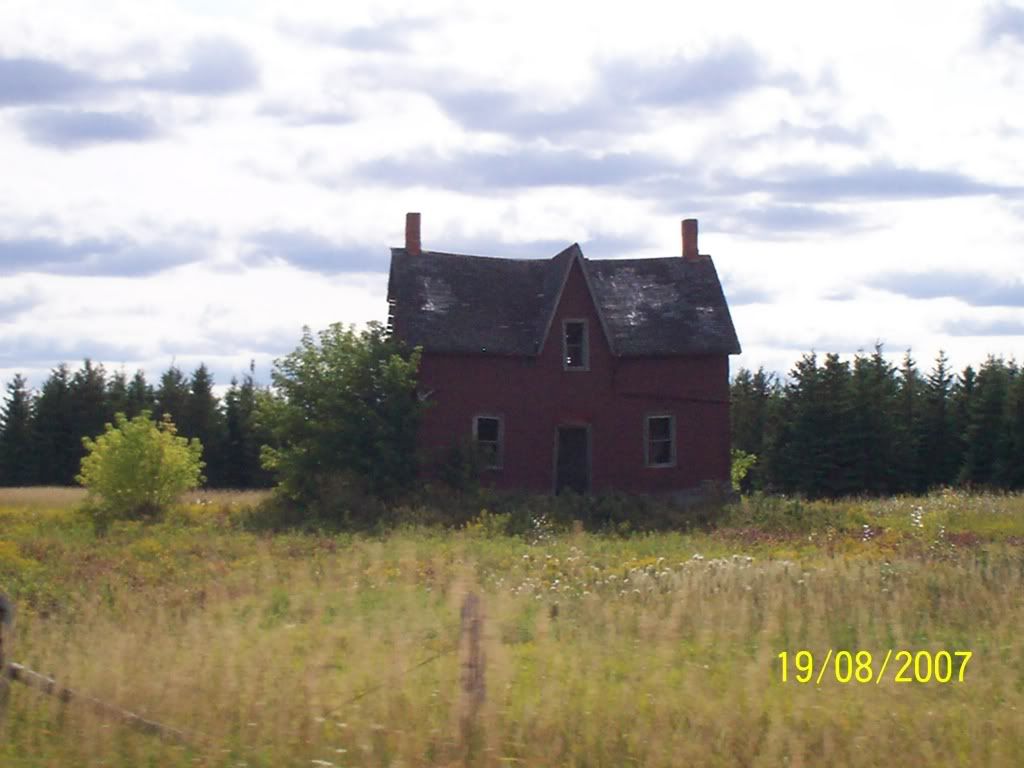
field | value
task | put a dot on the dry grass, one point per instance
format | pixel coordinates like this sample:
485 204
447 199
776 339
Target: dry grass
265 646
54 497
41 497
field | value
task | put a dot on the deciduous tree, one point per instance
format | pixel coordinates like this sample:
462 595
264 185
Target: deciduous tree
345 411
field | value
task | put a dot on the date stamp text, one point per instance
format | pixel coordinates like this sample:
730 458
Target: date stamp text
864 667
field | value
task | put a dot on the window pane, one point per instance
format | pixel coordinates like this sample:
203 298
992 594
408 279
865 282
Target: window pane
661 452
575 345
490 454
574 334
659 428
487 430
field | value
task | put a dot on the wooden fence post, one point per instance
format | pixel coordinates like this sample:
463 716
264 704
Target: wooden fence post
474 690
6 621
18 673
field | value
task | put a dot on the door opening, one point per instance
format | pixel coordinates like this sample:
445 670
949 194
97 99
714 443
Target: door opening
572 461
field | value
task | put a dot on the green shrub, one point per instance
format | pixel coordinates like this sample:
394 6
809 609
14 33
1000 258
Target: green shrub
137 467
343 415
742 463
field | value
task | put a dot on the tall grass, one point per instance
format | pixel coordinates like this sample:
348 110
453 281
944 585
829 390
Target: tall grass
49 497
601 650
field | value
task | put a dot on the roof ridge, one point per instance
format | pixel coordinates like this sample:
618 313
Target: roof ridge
459 302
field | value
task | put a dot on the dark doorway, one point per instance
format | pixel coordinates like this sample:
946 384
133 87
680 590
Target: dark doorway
572 463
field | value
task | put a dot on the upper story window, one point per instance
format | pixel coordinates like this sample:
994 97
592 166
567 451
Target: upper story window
660 441
575 347
489 434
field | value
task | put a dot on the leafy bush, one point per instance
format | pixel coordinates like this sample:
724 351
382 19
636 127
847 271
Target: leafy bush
137 467
460 470
742 463
344 417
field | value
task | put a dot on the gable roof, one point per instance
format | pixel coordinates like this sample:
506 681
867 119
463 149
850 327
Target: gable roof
448 302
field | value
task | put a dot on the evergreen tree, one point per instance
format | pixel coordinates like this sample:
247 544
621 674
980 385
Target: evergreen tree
1013 455
244 436
909 473
750 395
742 422
770 467
89 404
203 420
837 449
140 396
872 432
939 453
985 424
117 393
803 439
963 395
56 452
172 395
16 467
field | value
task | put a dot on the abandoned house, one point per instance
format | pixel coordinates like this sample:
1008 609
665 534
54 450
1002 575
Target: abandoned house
569 372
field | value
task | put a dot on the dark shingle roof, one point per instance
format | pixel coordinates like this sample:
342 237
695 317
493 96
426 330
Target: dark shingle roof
447 302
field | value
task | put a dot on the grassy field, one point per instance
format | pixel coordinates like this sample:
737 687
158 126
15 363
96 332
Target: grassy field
306 649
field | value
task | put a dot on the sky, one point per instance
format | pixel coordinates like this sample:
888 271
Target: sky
195 181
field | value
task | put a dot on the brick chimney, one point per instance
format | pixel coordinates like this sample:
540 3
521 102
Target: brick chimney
412 234
689 239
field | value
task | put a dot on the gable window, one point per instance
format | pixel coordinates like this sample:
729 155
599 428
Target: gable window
575 349
489 434
660 441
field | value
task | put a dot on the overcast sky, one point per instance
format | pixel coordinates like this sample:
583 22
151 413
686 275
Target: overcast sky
196 180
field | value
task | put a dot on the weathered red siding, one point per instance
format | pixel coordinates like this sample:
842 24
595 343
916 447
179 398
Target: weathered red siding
535 396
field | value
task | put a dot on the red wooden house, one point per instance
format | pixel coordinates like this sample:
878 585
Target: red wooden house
571 372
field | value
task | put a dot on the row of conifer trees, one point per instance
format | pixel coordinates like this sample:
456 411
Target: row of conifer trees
864 426
834 427
41 431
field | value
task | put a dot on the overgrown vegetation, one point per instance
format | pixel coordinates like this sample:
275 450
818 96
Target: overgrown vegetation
740 466
343 418
602 649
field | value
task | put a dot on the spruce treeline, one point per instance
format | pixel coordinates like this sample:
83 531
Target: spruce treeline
41 432
839 428
833 428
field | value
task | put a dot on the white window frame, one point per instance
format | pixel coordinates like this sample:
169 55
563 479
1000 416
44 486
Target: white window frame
586 344
500 463
672 440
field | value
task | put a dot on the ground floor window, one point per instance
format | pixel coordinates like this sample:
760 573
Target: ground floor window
489 434
659 440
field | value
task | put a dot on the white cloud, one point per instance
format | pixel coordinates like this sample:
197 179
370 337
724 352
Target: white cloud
260 157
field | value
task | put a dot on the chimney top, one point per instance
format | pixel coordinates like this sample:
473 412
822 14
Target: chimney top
690 239
412 234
